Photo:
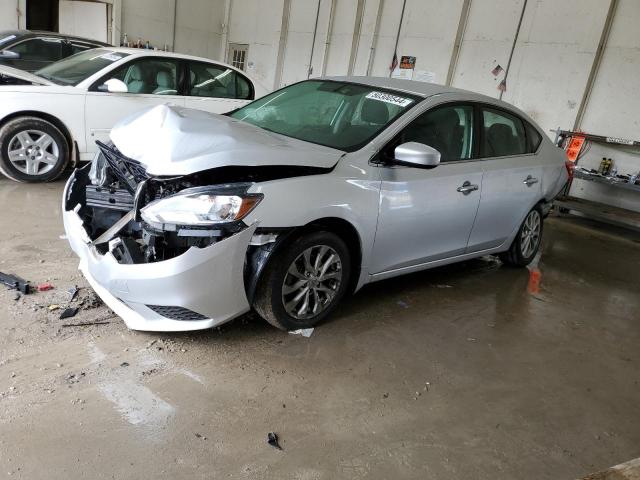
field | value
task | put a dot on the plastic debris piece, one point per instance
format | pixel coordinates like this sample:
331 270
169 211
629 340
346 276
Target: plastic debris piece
15 282
53 307
68 313
73 292
305 332
403 304
124 364
43 287
272 439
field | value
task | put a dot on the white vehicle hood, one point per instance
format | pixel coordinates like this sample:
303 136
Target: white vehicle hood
22 75
171 140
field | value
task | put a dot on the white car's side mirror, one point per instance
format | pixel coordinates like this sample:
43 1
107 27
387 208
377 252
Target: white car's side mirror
113 85
419 155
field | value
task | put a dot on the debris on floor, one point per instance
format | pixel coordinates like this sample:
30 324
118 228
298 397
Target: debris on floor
124 364
201 437
53 306
68 313
84 324
272 438
403 304
15 282
73 291
305 332
43 287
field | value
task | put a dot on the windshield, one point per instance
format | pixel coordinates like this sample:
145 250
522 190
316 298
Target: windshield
74 69
339 115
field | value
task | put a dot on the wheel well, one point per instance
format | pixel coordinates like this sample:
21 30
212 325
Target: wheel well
348 233
44 116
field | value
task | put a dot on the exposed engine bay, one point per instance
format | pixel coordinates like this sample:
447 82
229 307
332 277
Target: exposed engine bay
111 194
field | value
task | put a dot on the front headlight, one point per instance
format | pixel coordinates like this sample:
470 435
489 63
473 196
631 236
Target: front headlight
200 207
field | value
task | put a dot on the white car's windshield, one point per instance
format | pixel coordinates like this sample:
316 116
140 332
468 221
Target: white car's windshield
74 69
339 115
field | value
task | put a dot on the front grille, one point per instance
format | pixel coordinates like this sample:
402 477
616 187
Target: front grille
177 313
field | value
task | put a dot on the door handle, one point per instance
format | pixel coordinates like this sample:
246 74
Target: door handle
530 181
467 187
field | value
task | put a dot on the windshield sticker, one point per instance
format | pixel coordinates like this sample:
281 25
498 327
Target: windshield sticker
388 98
112 57
6 39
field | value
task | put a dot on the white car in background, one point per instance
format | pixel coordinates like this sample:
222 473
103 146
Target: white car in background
56 115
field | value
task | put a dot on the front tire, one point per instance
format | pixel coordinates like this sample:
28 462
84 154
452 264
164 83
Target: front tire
32 150
304 281
527 242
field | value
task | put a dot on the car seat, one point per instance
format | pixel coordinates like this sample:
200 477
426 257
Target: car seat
135 81
165 84
500 141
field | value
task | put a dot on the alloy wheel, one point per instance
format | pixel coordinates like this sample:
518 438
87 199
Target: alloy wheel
530 236
312 282
33 152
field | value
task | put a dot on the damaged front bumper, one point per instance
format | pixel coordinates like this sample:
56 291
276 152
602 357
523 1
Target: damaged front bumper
200 288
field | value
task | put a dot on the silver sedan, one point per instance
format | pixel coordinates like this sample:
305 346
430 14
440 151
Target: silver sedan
187 219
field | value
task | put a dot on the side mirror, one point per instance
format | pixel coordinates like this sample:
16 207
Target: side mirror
9 55
113 85
418 155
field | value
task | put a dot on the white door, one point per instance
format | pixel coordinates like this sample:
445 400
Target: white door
511 183
151 81
427 214
83 19
216 88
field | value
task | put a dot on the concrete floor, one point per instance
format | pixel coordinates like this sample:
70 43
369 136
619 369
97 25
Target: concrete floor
453 373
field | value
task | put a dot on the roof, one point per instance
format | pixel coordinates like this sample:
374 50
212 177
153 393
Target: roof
144 51
20 34
422 89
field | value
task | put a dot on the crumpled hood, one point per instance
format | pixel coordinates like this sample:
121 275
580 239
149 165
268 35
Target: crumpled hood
170 140
22 75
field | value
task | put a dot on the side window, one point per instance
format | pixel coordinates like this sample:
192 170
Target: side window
210 80
534 138
503 134
77 47
157 76
39 49
448 129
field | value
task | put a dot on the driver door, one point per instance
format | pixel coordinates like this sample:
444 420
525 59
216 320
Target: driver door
150 81
427 214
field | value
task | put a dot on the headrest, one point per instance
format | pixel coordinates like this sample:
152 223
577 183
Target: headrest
164 79
374 111
499 131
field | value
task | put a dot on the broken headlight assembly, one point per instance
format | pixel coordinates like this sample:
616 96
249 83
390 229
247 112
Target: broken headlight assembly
201 207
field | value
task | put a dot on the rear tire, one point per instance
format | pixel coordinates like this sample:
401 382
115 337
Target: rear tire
527 242
32 150
304 281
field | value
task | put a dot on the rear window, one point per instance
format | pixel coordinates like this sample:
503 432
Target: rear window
534 138
504 134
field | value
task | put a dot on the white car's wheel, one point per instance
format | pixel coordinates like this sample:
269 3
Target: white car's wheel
32 150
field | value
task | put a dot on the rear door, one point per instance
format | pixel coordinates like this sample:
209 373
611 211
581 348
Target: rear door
216 88
511 183
427 214
151 81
